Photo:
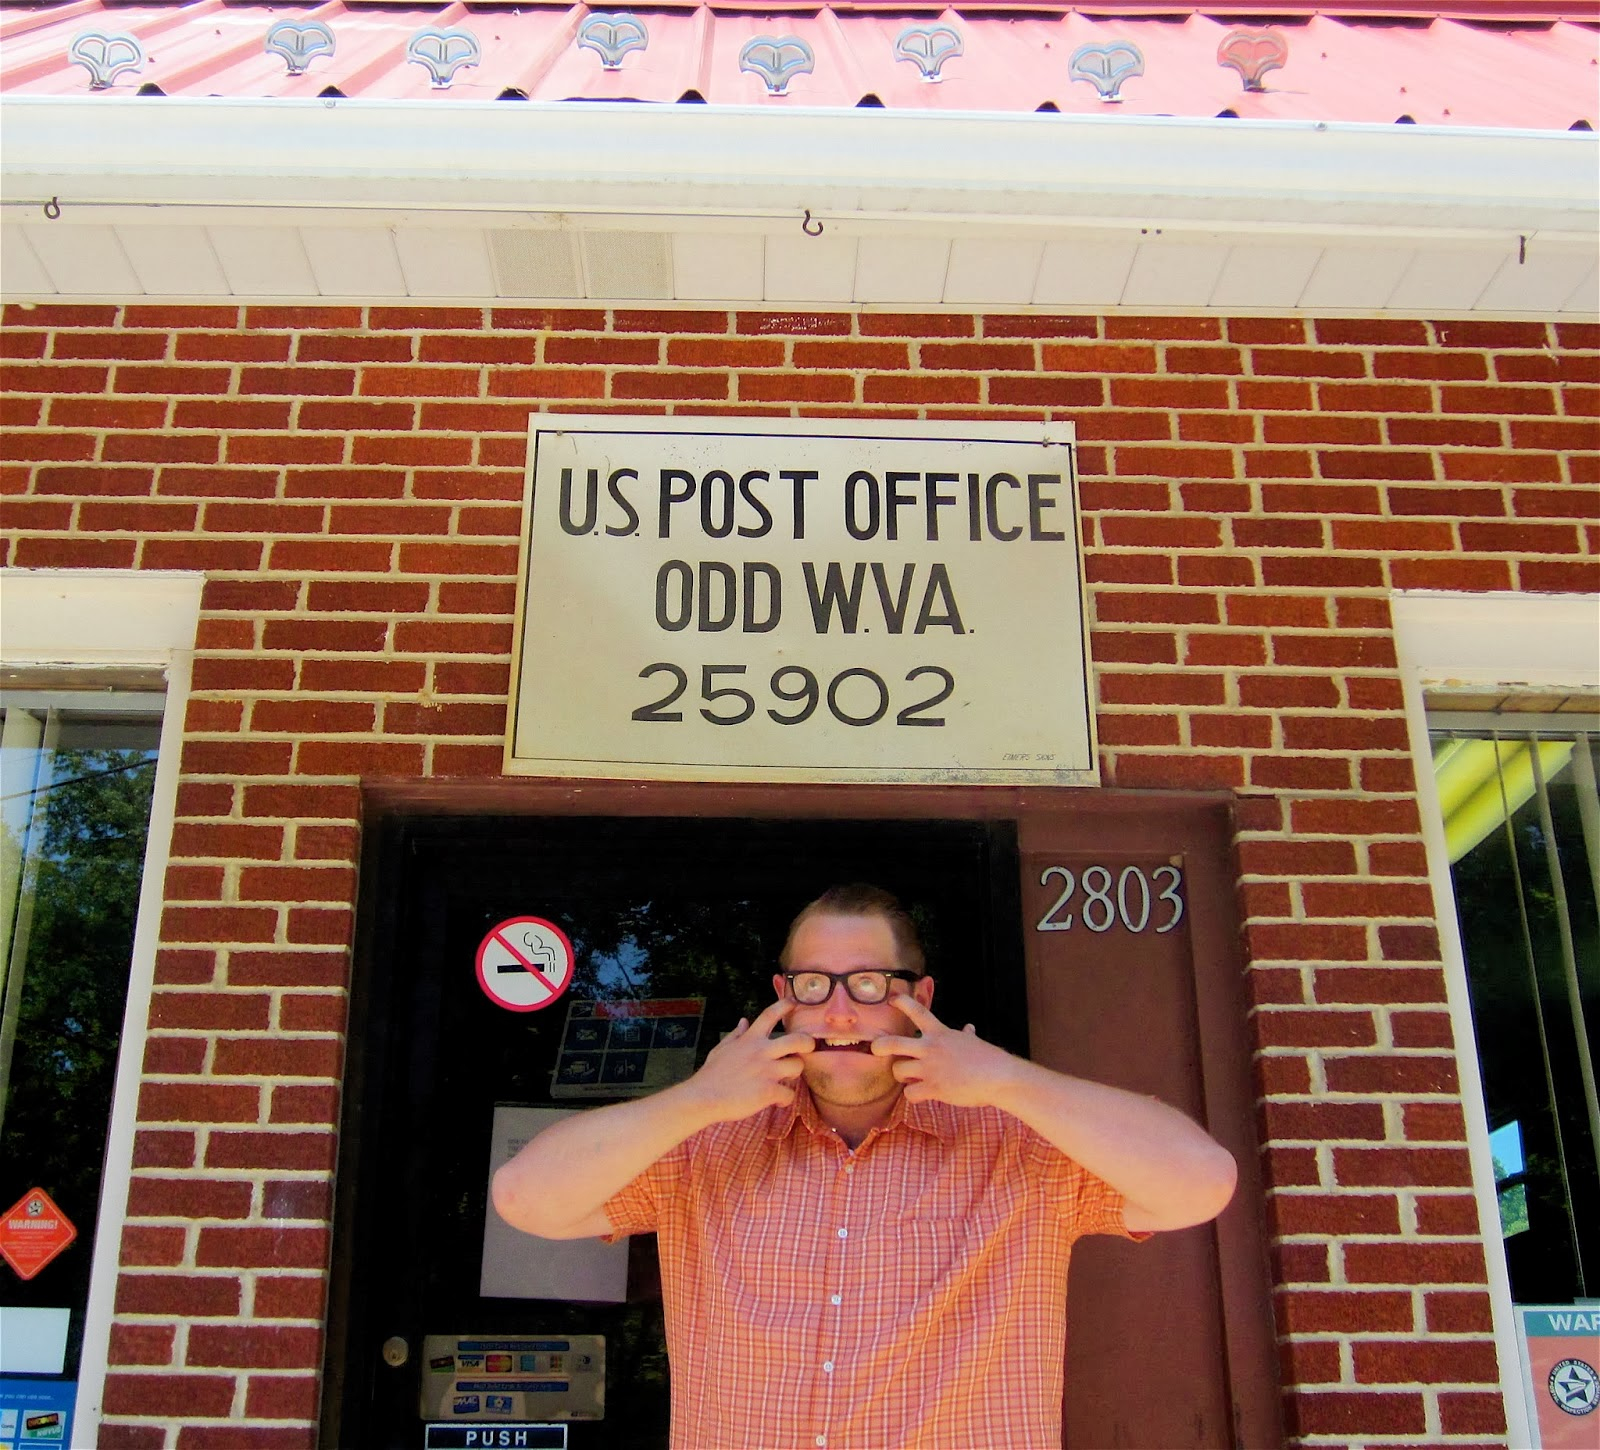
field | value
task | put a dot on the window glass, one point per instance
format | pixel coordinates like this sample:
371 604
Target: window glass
76 776
1522 825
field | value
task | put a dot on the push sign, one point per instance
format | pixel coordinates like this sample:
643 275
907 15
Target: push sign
761 599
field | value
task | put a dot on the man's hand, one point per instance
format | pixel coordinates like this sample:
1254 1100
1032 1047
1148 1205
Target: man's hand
950 1066
750 1069
1169 1171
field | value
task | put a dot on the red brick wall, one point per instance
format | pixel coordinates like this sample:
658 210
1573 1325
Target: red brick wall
350 479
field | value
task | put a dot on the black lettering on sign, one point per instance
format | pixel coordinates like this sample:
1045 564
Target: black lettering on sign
591 502
747 493
799 477
861 484
674 614
934 500
677 486
833 597
895 500
656 712
1038 504
711 596
716 504
991 506
717 582
855 696
631 526
939 591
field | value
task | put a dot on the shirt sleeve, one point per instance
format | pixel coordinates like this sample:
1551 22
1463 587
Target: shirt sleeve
636 1208
1089 1205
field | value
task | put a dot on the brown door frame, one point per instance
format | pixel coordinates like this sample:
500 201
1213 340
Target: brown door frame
1198 826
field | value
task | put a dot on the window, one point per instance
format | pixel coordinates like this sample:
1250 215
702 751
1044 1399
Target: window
77 774
1522 831
114 649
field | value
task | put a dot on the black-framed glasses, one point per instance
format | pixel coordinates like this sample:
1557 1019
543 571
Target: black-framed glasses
812 989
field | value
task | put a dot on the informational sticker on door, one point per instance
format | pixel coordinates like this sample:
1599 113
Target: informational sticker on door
625 1048
524 963
521 1379
36 1412
736 598
1561 1359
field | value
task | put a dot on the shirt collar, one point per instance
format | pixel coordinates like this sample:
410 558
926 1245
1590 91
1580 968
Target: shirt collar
936 1119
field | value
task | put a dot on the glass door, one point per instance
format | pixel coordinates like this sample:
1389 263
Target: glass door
674 929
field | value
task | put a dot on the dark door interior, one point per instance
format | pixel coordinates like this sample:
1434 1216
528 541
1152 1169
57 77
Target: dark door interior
679 908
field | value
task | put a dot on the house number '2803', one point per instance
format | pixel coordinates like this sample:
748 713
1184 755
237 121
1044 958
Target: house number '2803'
1130 897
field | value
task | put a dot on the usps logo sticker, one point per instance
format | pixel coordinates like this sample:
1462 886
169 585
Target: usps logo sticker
525 963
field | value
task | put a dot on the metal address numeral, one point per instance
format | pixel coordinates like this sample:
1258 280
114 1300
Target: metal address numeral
1129 902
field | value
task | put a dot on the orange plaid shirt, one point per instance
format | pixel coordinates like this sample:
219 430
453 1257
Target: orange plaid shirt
908 1296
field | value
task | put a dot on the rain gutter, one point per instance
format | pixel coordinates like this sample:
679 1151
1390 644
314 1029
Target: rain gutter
625 161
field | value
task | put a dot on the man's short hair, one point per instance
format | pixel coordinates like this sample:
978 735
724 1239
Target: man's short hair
859 898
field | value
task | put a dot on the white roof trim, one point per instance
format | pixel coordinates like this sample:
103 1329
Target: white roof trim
674 170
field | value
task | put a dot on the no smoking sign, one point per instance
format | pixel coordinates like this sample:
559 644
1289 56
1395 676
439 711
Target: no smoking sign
525 963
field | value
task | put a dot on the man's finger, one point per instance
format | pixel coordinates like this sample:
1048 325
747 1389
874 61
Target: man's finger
786 1044
770 1016
891 1046
970 1030
922 1016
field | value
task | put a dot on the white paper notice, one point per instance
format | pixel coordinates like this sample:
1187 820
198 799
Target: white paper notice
520 1266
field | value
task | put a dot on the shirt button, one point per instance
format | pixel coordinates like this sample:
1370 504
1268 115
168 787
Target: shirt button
849 1167
822 1439
836 1299
844 1233
827 1366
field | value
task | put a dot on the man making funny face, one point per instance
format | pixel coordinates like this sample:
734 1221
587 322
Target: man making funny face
865 1214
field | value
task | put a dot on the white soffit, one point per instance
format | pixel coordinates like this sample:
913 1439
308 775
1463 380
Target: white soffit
169 259
708 267
901 269
353 261
479 201
1265 274
992 273
263 261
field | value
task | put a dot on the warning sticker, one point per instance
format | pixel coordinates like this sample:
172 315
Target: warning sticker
33 1232
525 963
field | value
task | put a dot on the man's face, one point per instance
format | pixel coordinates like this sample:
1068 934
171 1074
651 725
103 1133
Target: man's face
844 1071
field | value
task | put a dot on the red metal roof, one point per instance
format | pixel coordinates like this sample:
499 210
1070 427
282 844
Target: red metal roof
1511 63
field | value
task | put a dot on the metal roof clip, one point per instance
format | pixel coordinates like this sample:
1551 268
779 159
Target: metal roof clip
299 42
777 58
105 56
930 46
1253 53
1106 66
612 36
443 52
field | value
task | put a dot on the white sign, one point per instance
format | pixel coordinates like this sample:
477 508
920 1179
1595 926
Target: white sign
517 1265
525 963
773 599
